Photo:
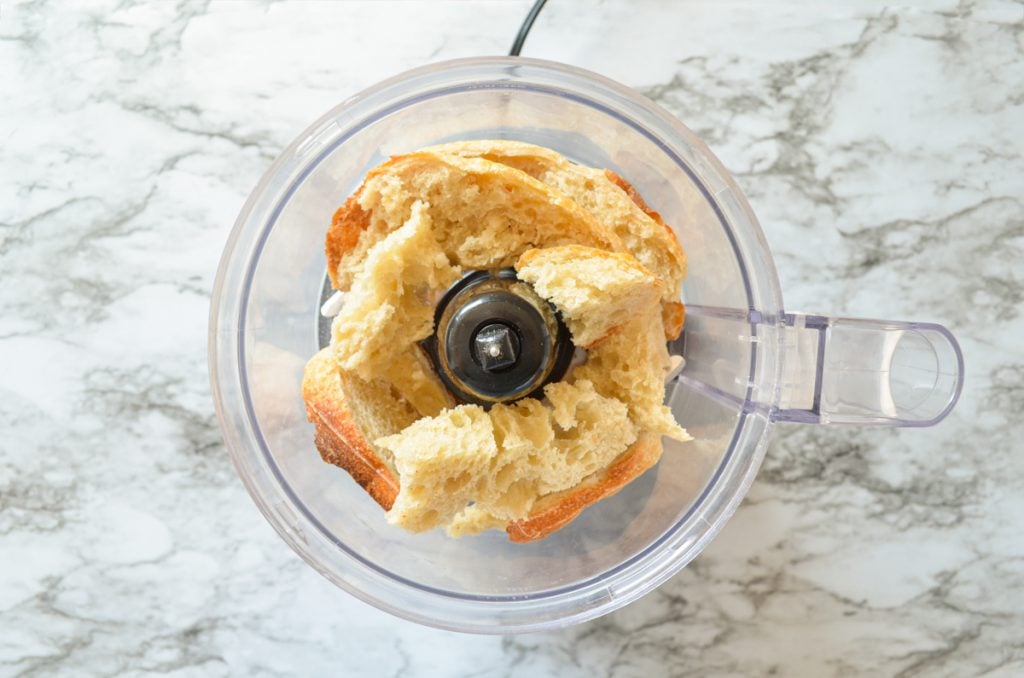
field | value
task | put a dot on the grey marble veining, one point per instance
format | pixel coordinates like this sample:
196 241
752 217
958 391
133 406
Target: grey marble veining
882 147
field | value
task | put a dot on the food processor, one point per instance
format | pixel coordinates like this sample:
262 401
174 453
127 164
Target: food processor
748 362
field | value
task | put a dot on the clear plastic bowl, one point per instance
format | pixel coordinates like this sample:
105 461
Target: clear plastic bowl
747 362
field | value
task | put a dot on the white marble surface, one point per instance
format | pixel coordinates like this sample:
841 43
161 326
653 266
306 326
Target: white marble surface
880 145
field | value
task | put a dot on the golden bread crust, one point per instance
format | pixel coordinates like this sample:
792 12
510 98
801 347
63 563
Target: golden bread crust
634 195
349 222
673 315
337 437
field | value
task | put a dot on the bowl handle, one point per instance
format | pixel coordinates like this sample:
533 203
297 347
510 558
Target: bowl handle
867 372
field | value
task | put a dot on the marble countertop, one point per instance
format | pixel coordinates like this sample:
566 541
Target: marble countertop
882 147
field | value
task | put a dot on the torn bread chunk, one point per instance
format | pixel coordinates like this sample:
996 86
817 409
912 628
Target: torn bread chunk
500 462
389 309
485 214
444 463
554 511
346 423
631 365
595 291
606 195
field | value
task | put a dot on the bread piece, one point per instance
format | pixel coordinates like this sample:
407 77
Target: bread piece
502 461
612 201
591 430
525 433
443 462
673 312
554 511
344 425
485 214
390 307
631 365
598 292
595 291
556 443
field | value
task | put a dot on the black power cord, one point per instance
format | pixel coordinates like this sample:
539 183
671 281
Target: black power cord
524 30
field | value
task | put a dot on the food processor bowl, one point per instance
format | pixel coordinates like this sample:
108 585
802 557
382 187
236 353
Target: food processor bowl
748 363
